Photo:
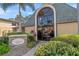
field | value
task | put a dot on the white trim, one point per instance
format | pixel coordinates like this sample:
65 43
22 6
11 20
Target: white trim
55 26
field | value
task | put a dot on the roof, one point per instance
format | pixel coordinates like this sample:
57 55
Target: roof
8 20
21 19
64 13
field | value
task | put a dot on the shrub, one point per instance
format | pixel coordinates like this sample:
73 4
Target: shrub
4 48
71 39
30 41
30 38
16 33
4 43
31 44
4 40
56 48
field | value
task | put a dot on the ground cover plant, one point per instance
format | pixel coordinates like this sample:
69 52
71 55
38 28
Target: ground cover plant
56 48
4 48
63 45
70 39
4 44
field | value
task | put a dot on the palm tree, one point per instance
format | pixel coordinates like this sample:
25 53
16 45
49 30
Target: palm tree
21 6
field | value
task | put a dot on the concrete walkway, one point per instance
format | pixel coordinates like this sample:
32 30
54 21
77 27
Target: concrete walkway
32 51
17 51
23 50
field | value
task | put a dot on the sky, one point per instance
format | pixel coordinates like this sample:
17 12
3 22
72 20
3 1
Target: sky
13 11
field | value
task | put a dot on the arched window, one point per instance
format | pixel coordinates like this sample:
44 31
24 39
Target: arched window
45 16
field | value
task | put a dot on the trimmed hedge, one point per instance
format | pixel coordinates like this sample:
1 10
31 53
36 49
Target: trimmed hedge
56 48
70 39
4 48
16 33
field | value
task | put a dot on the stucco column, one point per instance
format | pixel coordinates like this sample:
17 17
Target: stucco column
78 16
36 30
19 27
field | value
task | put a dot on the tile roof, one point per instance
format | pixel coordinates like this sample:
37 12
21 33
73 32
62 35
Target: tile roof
64 13
8 20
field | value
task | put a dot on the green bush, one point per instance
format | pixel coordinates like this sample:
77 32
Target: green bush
70 39
31 44
30 38
4 48
30 41
4 40
4 43
56 48
16 33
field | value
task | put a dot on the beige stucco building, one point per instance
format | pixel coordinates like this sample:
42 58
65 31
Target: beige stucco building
7 26
67 28
61 17
65 16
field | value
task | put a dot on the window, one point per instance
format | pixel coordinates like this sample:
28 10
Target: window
13 24
45 16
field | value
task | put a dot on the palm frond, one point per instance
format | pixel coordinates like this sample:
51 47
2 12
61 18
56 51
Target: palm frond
4 6
23 6
31 5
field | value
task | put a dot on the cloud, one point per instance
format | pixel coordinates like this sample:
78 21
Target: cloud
1 12
10 13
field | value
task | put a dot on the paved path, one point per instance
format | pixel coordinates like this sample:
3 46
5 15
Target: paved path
17 51
23 51
32 51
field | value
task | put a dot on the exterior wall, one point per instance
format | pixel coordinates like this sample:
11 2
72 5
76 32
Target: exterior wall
5 26
62 28
29 29
67 28
5 23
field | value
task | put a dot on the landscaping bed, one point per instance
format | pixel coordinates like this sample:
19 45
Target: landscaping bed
64 45
70 39
6 49
4 45
31 42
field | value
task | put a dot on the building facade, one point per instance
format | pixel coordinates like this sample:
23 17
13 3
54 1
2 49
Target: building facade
59 17
63 19
7 26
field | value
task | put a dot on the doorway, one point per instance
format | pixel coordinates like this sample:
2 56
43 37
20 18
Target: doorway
45 24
